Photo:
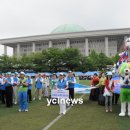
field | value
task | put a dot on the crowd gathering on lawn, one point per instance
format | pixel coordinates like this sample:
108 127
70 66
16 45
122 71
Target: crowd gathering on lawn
17 89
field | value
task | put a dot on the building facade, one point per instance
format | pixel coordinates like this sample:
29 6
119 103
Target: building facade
109 42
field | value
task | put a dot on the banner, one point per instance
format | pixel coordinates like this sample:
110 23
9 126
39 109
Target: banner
82 89
117 85
60 94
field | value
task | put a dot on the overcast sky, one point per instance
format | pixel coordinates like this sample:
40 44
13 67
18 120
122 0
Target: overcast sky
34 17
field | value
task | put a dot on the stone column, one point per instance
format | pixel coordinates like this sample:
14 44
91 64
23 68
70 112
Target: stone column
14 51
33 47
67 43
106 46
86 47
18 50
5 50
50 44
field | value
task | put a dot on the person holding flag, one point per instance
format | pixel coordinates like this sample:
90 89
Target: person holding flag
71 82
94 92
108 92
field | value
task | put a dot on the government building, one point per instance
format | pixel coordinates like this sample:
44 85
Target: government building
109 41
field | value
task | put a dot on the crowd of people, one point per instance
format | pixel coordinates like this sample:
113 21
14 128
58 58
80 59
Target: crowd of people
17 89
104 93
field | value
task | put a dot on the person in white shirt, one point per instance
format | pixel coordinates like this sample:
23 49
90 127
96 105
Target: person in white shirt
15 87
45 85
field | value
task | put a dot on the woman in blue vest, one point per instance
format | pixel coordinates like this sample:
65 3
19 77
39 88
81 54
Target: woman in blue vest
30 82
62 84
39 86
2 87
9 90
71 81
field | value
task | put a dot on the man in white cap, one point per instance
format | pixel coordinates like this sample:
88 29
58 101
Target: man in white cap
9 90
22 93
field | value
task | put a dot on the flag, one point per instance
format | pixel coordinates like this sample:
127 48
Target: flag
82 89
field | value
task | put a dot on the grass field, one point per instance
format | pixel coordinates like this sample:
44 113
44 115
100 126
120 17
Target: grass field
88 116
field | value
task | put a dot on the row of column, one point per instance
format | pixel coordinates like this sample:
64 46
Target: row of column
67 46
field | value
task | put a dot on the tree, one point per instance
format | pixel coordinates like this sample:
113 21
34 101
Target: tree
72 58
52 58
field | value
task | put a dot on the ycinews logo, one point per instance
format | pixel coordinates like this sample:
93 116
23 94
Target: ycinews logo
64 101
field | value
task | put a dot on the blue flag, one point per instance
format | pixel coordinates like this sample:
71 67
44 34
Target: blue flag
82 89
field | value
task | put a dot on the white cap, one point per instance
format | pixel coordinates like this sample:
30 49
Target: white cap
22 73
61 74
113 71
109 73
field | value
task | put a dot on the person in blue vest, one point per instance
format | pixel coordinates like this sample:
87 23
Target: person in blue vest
39 86
9 90
71 81
53 84
62 85
30 82
15 86
22 93
2 87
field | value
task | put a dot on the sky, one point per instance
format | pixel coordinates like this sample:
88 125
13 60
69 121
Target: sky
35 17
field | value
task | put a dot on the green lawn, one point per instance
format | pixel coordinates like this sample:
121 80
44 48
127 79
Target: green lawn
88 116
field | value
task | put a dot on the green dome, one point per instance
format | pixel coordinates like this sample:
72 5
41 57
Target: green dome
68 28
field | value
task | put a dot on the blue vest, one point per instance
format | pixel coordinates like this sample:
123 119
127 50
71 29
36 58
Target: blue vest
3 87
61 85
0 86
38 83
29 85
71 85
9 80
15 80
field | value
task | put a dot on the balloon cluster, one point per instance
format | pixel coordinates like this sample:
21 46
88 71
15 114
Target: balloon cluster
127 44
123 61
123 66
